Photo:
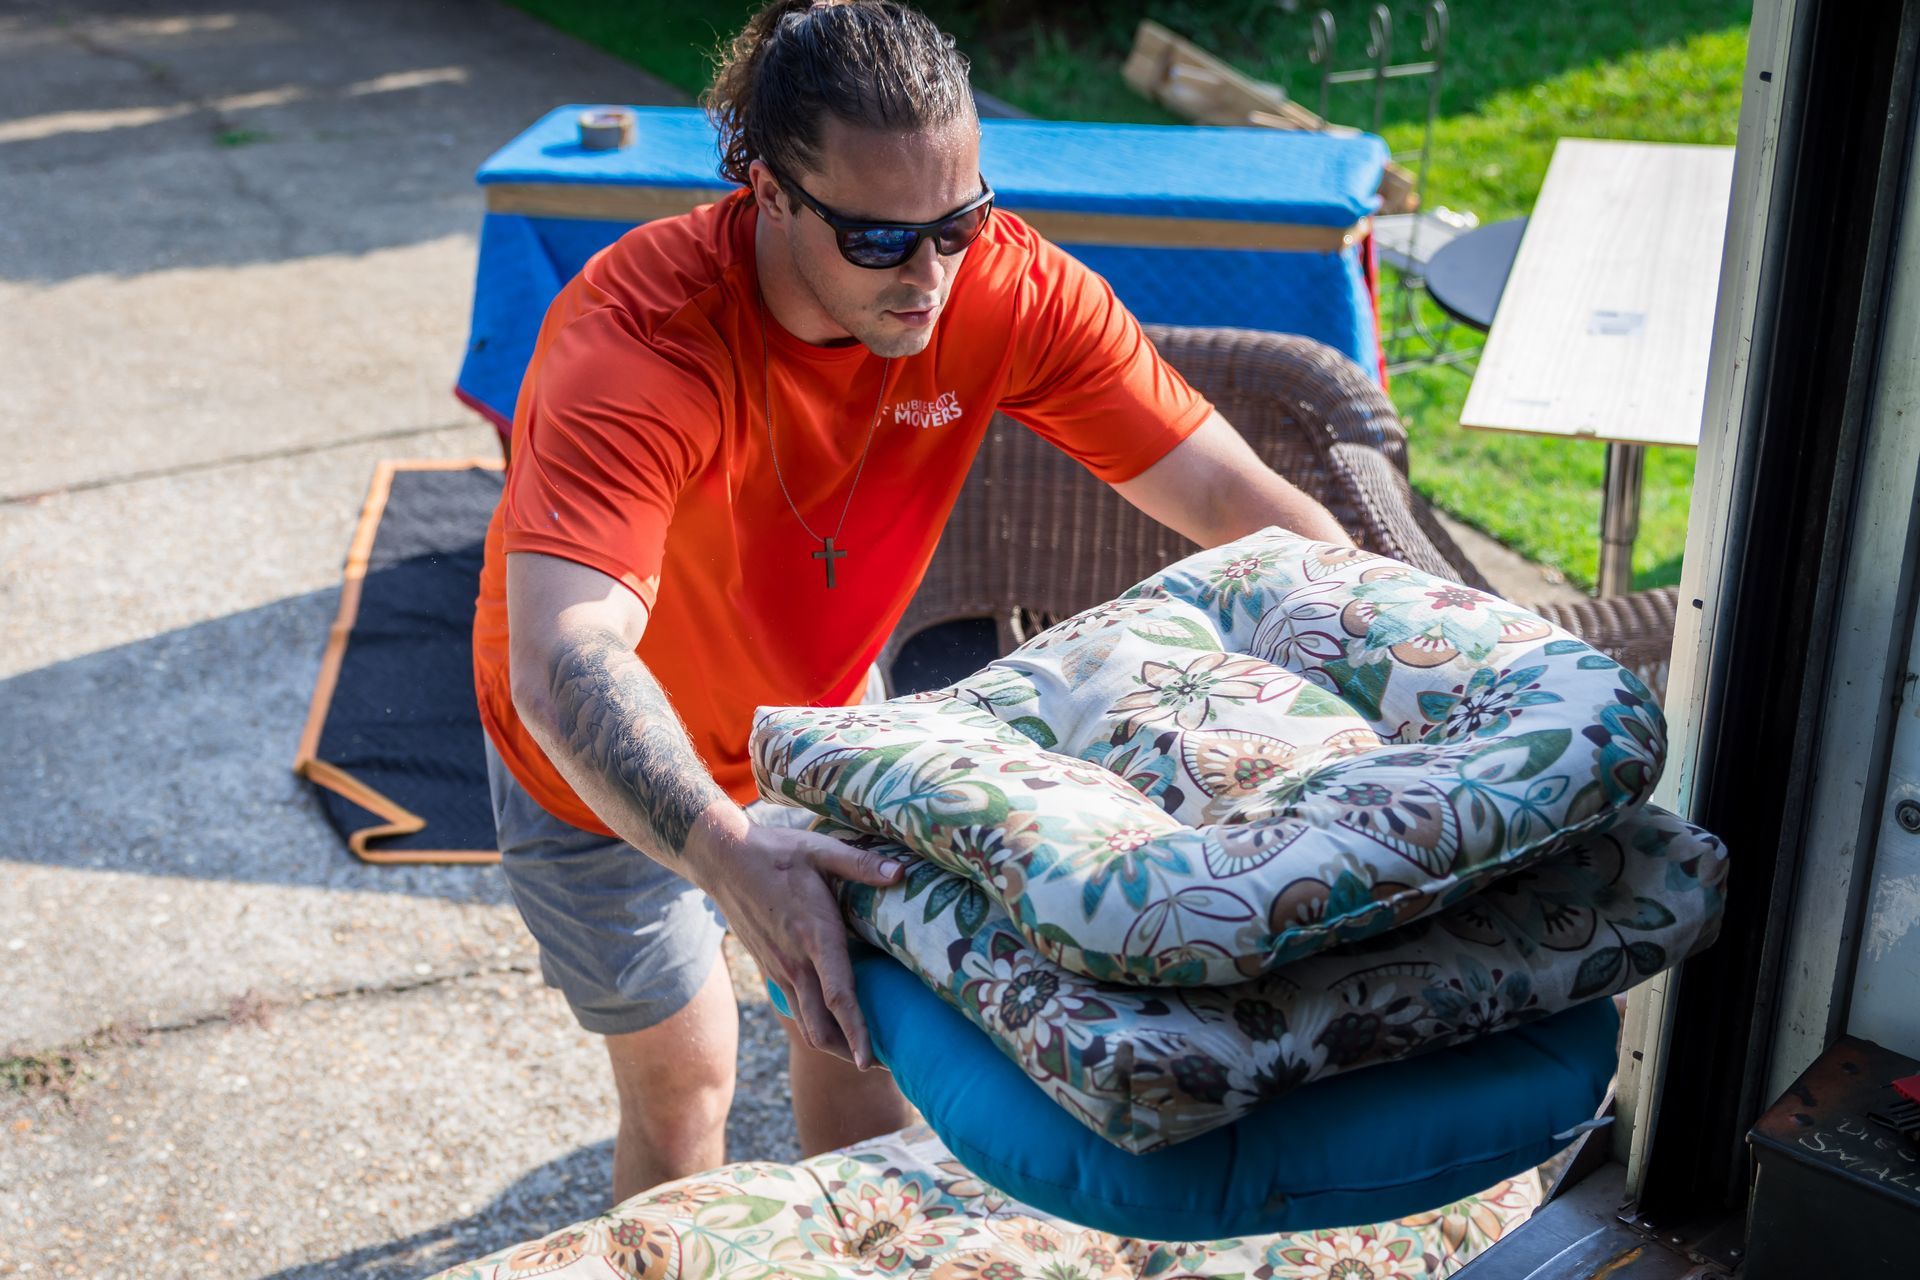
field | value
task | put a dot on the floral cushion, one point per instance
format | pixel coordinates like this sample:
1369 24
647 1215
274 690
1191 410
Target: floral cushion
902 1206
1149 1068
1266 750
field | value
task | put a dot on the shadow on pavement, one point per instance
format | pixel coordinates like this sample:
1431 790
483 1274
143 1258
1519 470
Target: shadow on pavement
563 1191
575 1186
173 757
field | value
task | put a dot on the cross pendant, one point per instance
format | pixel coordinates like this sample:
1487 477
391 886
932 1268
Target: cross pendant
828 554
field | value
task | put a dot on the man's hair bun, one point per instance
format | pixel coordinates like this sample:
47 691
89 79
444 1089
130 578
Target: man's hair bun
874 63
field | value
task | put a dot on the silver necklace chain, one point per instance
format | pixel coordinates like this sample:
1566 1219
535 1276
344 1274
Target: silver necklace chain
766 410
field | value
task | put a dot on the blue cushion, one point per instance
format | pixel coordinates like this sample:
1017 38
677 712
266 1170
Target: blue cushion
1369 1146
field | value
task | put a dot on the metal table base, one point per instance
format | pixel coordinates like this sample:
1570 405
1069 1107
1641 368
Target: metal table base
1620 516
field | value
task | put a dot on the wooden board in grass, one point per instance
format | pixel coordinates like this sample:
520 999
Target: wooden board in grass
1192 83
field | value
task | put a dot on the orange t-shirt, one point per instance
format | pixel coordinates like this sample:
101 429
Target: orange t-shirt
640 448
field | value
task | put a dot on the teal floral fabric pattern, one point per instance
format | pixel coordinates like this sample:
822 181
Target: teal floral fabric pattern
1271 748
902 1206
1147 1068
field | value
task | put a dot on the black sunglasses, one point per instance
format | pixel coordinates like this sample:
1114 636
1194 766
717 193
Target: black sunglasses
883 245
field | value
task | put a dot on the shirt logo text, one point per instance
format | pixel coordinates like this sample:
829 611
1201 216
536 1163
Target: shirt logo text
929 413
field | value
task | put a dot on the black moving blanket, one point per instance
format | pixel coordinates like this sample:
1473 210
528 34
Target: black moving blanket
393 738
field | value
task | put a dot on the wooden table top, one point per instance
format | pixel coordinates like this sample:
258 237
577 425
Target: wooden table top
1604 328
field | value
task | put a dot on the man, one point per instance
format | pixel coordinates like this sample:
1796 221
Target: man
738 439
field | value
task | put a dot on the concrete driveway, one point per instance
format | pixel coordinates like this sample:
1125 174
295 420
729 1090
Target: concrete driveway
236 252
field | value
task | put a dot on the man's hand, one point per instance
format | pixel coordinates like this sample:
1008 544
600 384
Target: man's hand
606 724
772 884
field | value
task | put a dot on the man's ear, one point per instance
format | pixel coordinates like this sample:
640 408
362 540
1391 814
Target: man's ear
767 192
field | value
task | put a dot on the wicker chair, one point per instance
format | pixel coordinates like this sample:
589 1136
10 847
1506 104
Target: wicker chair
1035 538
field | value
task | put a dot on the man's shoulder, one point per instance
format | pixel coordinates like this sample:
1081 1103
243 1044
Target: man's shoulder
659 269
651 296
604 356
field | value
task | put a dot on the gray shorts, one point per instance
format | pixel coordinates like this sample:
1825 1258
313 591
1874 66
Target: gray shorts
625 940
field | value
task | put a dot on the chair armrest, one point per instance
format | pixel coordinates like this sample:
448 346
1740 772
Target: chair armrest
1293 398
1393 520
1323 422
1634 630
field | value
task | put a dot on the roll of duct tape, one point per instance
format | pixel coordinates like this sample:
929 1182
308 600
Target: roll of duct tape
606 129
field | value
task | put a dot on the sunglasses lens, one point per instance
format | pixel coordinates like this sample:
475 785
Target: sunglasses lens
962 231
883 247
879 246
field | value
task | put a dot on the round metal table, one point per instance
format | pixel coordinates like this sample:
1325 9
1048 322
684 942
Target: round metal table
1468 274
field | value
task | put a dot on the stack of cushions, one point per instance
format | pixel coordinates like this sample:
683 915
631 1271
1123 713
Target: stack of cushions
1283 810
902 1206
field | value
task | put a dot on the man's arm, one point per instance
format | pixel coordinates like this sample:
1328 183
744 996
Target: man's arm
605 723
1213 488
594 708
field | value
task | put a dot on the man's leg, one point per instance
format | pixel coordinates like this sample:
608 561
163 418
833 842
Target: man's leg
675 1084
835 1103
635 949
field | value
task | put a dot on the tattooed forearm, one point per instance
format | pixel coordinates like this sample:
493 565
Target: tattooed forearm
612 718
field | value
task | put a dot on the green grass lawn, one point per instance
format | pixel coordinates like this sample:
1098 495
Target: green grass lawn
1519 77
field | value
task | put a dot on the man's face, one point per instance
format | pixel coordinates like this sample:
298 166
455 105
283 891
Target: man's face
883 177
